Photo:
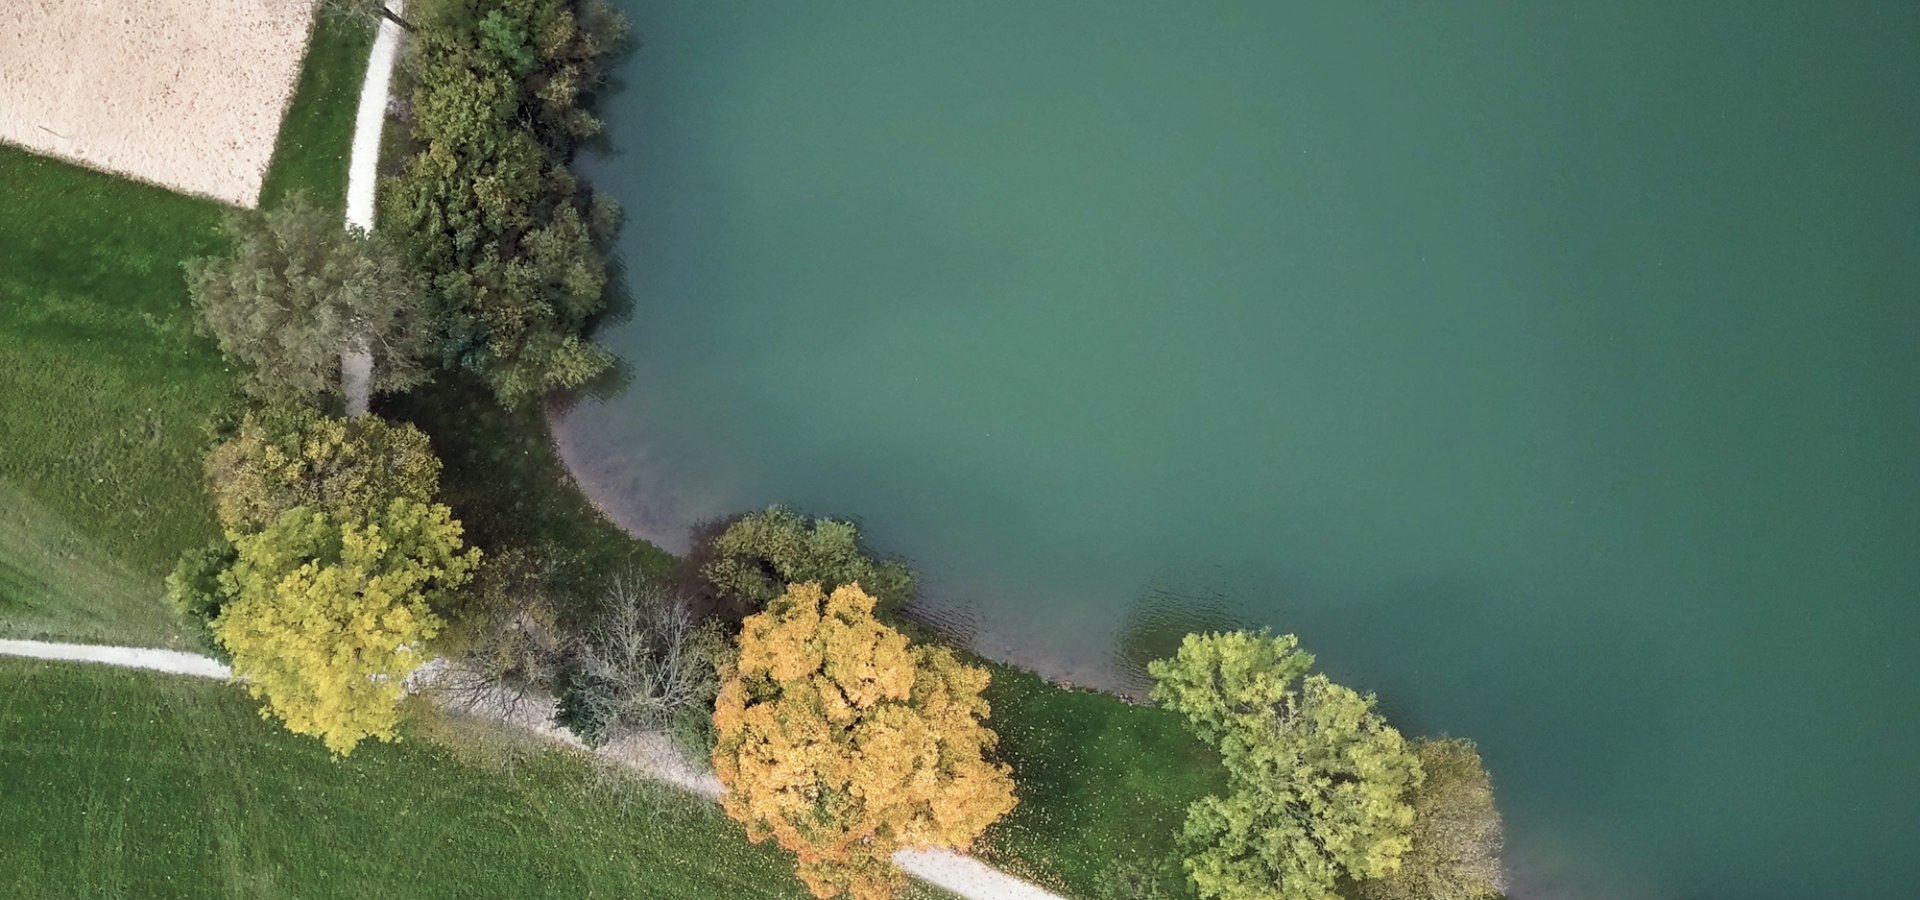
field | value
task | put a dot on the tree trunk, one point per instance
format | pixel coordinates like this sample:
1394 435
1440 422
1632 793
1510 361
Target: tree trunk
388 15
356 376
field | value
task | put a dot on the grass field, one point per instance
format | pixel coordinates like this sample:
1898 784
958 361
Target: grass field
109 393
1102 783
131 784
507 485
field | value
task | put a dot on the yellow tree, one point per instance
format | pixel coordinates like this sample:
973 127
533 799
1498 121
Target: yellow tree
843 743
329 617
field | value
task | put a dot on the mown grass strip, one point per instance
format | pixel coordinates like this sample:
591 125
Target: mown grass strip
109 394
123 783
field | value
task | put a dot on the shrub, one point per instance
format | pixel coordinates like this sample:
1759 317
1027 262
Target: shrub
194 590
754 559
504 644
512 242
843 743
285 458
1316 779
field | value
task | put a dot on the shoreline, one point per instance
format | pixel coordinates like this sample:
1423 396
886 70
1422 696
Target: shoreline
953 623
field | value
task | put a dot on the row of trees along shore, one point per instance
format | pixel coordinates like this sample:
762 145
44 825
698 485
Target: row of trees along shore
774 654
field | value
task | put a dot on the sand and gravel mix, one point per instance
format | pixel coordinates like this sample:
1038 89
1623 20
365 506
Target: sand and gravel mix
182 93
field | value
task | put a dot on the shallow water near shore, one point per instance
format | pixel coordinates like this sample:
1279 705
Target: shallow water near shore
1551 372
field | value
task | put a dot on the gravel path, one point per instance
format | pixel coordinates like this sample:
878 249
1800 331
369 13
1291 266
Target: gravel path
131 657
363 174
363 163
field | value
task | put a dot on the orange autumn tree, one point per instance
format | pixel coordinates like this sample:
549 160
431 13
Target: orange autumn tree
843 743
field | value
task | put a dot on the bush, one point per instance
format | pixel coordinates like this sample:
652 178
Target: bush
512 242
194 591
285 458
504 643
757 556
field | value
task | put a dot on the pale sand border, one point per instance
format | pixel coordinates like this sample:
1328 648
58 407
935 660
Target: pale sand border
185 94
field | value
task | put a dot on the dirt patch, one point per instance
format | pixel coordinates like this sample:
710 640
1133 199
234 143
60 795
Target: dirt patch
187 94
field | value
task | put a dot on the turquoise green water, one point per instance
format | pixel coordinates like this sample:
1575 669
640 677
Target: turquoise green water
1549 368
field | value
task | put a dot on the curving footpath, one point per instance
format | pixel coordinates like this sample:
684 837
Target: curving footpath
363 174
651 755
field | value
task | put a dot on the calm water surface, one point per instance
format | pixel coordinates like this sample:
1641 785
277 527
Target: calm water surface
1549 368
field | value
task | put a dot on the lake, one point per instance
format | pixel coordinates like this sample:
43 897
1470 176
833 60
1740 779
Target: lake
1550 369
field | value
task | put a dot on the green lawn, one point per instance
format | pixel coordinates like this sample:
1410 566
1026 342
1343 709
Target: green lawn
506 483
316 134
132 784
109 395
1102 783
46 567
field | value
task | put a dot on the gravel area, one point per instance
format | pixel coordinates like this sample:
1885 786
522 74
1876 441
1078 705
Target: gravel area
187 94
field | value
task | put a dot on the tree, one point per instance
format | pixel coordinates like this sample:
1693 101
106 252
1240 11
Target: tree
1456 834
288 457
327 617
1316 779
298 292
644 664
513 243
844 743
759 554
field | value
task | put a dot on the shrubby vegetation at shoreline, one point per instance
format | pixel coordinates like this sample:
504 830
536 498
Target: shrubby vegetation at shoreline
512 244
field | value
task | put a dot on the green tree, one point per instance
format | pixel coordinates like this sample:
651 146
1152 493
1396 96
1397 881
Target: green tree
299 293
288 457
194 590
759 554
1457 834
327 617
513 242
1316 778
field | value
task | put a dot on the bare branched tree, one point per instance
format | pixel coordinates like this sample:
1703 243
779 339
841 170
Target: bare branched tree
644 664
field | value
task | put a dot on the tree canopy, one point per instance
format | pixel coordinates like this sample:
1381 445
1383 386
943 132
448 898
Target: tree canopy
327 617
1316 778
299 288
1457 834
512 241
844 743
759 554
286 457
